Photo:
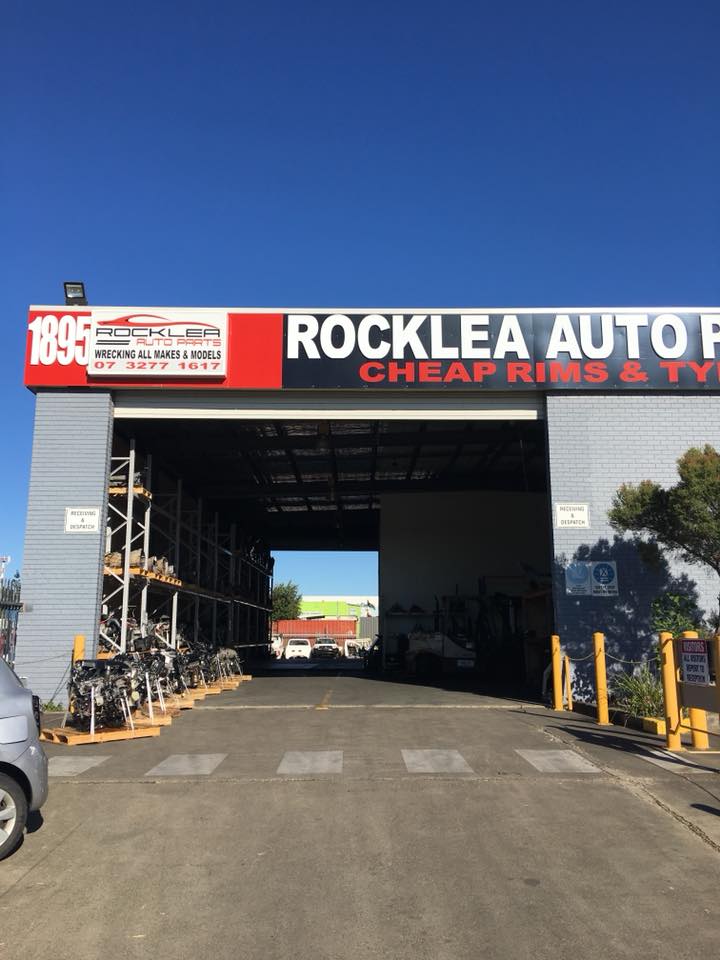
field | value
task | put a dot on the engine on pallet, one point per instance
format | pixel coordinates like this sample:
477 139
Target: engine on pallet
103 692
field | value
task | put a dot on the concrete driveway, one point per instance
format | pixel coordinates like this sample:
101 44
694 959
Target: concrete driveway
340 817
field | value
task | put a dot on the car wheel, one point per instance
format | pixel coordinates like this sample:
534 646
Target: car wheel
13 814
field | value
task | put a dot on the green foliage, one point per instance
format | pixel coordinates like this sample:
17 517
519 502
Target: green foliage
674 612
286 600
684 518
640 694
51 707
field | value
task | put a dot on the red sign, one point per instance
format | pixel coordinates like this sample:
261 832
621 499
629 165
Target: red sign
153 348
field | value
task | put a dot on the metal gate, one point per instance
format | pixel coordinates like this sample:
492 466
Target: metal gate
9 610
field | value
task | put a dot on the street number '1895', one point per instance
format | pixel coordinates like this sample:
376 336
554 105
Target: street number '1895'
62 340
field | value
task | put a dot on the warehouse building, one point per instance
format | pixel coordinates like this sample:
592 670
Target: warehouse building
477 451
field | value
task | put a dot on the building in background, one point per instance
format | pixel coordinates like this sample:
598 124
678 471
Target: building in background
344 605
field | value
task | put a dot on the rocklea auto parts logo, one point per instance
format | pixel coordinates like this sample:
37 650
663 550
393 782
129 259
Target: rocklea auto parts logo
148 330
144 344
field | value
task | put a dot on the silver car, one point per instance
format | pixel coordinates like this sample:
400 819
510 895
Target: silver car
23 764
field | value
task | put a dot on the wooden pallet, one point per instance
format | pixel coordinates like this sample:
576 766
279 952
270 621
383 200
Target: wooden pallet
246 676
184 703
231 684
152 575
212 689
122 491
158 719
171 711
145 574
71 737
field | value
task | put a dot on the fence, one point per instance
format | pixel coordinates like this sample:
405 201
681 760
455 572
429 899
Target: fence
9 609
690 674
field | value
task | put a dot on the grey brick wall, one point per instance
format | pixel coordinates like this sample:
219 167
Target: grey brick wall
595 443
62 571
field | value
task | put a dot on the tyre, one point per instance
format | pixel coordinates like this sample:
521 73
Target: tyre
13 814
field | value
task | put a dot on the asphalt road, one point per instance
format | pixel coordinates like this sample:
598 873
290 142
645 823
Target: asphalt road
316 831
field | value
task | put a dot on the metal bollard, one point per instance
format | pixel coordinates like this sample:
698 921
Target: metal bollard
698 717
568 684
556 672
673 740
601 693
78 651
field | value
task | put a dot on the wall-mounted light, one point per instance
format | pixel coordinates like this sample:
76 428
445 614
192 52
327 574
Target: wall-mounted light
75 293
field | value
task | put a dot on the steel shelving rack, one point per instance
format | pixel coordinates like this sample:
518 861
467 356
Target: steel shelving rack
215 578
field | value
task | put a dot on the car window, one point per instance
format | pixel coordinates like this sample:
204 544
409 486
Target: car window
8 677
299 643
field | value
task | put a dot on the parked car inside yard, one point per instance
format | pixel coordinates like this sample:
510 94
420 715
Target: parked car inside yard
325 648
298 649
23 764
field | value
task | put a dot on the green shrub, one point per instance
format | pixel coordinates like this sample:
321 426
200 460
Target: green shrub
51 707
674 612
640 694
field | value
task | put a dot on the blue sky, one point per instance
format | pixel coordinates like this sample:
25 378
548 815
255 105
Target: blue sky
329 153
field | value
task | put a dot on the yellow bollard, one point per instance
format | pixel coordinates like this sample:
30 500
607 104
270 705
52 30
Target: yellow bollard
698 717
568 684
78 652
670 695
716 659
601 693
556 672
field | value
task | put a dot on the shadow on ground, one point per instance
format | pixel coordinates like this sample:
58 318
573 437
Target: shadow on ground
466 683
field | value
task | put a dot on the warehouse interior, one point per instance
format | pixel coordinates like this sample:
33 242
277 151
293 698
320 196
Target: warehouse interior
453 508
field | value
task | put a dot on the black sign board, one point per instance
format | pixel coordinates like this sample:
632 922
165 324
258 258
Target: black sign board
604 350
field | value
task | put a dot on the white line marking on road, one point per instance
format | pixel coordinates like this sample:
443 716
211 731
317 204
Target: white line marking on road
301 762
72 766
557 761
435 761
672 762
187 765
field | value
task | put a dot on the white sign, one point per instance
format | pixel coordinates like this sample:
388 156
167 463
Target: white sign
146 345
572 515
591 579
82 519
694 661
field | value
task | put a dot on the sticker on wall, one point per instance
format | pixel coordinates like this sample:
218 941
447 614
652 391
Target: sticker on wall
82 519
591 579
577 579
604 579
572 515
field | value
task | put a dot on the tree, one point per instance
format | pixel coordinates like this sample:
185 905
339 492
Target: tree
286 599
684 518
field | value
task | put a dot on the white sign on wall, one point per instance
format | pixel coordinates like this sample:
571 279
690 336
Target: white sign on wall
591 579
694 661
161 345
572 515
82 519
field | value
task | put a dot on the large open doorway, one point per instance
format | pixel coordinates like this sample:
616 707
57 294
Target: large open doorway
457 511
